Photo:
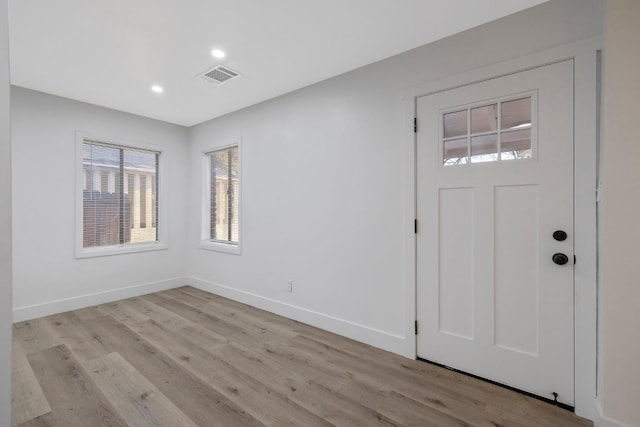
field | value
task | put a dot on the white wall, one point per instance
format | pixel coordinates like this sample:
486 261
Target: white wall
620 225
47 277
5 224
323 200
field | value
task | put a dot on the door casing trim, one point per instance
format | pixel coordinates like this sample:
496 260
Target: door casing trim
584 54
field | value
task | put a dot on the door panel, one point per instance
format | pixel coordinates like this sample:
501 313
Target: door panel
456 262
516 267
494 181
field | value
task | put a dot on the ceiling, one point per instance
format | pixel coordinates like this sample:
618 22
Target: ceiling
110 52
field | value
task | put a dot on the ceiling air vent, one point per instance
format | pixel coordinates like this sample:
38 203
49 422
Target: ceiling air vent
220 74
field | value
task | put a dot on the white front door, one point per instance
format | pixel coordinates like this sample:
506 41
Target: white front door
494 183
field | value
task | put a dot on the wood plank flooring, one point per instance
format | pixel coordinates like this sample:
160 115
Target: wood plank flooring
186 358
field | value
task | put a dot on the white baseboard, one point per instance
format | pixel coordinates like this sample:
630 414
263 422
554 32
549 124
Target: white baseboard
374 337
603 421
59 306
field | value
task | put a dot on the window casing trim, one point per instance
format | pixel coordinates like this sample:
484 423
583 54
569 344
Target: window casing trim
162 241
205 241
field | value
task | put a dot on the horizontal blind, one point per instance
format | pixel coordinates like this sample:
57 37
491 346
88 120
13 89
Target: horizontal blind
120 200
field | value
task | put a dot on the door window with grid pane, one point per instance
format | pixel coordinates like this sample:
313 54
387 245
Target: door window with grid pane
119 195
497 131
224 196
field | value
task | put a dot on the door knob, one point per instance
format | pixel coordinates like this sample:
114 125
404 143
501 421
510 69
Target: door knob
560 235
560 259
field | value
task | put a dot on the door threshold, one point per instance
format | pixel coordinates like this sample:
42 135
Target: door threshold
517 390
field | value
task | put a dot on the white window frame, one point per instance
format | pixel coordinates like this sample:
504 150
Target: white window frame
205 239
162 211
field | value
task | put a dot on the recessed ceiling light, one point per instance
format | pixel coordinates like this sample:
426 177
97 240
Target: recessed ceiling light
218 53
157 89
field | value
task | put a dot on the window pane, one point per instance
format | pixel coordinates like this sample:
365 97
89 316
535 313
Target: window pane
516 145
100 206
484 119
143 202
224 195
455 124
154 202
455 152
484 148
516 114
235 199
141 167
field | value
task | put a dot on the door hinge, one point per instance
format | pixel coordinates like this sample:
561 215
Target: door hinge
575 260
415 226
415 326
415 124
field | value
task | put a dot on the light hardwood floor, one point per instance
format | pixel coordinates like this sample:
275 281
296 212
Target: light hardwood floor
188 358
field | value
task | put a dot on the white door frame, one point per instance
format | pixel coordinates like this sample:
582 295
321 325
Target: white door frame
584 54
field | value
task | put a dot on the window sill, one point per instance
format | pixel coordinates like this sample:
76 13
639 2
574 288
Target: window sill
220 247
119 250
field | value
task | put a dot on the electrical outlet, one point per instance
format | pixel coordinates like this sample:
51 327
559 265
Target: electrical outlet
289 285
